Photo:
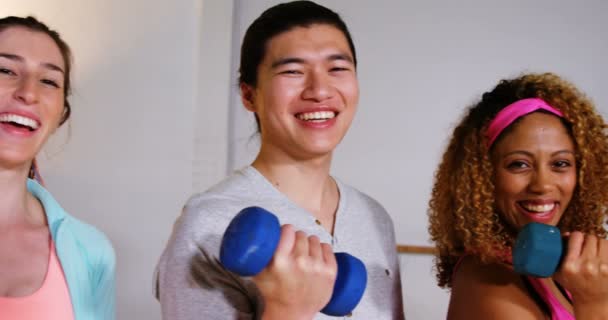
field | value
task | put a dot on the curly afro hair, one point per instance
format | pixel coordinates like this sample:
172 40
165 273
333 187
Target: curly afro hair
462 215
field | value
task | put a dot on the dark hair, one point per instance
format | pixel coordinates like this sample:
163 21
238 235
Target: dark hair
462 215
276 20
34 24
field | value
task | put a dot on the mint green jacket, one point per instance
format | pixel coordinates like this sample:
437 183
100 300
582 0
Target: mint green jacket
87 259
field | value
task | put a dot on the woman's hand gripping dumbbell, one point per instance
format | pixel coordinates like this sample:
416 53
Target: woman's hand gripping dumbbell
578 261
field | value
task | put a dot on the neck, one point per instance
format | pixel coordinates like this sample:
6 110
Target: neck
15 200
305 182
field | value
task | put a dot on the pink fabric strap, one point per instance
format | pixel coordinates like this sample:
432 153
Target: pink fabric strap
514 111
558 312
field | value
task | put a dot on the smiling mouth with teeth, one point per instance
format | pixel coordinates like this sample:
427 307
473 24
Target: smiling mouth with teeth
538 208
19 121
318 116
539 212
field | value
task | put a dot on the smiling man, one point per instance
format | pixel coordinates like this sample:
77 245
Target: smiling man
298 76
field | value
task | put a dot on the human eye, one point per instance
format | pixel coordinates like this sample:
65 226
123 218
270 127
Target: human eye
50 82
7 71
339 69
562 164
518 165
339 66
290 72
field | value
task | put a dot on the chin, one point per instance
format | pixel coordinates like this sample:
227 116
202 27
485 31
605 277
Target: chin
321 151
15 158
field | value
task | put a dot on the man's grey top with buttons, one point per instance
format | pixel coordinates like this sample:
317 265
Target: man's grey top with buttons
191 284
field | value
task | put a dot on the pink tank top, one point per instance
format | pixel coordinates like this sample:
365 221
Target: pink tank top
558 312
51 301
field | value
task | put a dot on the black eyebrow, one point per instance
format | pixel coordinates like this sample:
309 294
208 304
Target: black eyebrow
563 151
288 60
15 57
284 61
529 154
340 56
11 56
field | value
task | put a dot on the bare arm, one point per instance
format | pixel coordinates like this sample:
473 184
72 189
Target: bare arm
493 291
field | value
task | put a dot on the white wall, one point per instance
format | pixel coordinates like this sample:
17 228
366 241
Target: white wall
132 157
420 64
157 116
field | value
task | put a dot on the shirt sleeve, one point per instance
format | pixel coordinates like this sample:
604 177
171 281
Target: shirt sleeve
191 282
396 271
104 299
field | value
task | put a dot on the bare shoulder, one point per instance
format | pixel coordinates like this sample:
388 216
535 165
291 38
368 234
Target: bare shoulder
490 291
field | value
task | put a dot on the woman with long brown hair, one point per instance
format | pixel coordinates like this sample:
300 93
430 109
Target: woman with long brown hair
53 266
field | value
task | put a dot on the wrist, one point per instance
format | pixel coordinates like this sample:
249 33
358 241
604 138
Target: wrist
273 312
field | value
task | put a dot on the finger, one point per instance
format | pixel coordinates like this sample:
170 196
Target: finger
603 249
590 246
603 255
314 247
328 256
287 240
575 245
301 246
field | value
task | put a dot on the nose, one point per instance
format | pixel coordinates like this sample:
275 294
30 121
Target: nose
318 86
541 181
27 90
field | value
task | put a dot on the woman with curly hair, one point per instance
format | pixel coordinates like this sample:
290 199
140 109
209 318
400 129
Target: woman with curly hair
532 150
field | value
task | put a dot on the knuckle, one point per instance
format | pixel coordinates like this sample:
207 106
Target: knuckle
326 247
302 262
332 272
577 235
590 268
590 237
279 262
569 268
314 240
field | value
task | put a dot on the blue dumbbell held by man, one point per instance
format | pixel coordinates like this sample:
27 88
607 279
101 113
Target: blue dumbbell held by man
251 240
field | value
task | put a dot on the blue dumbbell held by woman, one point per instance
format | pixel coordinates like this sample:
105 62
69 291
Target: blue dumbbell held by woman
251 240
538 250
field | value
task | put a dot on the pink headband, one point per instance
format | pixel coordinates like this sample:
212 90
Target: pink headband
515 111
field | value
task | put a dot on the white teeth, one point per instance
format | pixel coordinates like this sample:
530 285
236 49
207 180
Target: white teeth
24 121
539 208
316 116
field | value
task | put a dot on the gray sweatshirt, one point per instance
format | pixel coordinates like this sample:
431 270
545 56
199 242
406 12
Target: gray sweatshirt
192 284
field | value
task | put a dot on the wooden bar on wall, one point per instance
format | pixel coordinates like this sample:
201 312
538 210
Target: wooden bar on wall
410 249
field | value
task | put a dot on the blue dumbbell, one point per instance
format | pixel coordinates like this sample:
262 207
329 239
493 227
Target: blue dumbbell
538 250
249 244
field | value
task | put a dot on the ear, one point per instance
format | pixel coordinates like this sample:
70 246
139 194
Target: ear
248 97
